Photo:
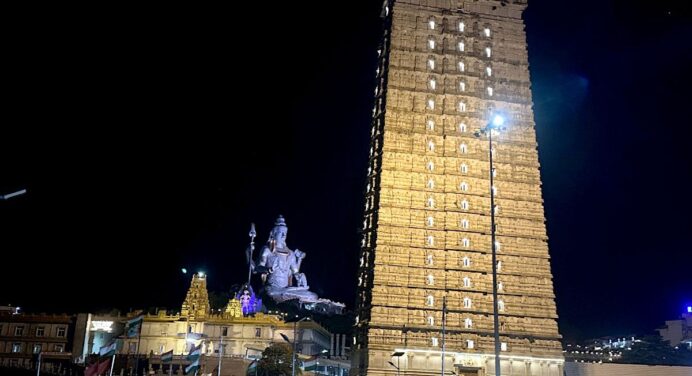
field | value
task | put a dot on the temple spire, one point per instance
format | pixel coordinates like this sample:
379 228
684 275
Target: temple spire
196 304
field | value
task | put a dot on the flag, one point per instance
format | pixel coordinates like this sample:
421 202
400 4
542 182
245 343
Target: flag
252 368
104 366
194 366
195 352
91 369
195 336
167 357
108 350
98 368
134 326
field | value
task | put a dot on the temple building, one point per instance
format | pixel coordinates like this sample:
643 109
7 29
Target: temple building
425 287
232 337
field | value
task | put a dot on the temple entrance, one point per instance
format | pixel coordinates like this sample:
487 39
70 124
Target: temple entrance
467 371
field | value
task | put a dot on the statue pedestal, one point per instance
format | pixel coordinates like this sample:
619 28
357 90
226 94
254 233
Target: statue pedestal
281 295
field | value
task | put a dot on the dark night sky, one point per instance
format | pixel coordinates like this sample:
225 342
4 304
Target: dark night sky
149 139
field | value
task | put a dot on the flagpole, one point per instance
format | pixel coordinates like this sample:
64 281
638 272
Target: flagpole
38 367
139 340
112 364
444 321
220 352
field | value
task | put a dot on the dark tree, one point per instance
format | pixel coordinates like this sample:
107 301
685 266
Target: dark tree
276 361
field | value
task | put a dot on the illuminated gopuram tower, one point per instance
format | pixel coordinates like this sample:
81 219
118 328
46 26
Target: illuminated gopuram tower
445 68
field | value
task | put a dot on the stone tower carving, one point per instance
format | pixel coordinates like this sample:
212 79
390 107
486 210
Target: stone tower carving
196 304
445 68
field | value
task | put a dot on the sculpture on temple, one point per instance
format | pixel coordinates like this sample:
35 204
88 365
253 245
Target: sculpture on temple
279 267
249 303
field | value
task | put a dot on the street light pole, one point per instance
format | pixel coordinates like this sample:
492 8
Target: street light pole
398 355
495 124
496 319
497 121
295 339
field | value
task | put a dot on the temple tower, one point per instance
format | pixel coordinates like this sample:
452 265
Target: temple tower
445 67
196 304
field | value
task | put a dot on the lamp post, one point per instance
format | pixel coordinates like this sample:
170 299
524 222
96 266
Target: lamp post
293 358
494 125
398 355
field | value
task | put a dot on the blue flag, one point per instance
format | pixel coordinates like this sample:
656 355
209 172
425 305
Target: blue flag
134 326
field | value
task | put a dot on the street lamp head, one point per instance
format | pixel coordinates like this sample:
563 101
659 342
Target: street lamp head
498 120
398 353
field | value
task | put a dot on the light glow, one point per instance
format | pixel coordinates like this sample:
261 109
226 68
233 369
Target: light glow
101 326
498 120
481 355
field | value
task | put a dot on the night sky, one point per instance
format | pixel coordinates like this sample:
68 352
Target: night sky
150 139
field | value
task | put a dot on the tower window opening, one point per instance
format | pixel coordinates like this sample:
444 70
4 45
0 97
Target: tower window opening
430 124
467 282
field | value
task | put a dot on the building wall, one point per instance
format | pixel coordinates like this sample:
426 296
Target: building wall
677 331
426 228
22 336
241 336
590 369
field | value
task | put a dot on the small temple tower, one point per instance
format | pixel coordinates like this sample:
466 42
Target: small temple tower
196 304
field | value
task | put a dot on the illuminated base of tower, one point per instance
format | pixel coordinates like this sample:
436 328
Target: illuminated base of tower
427 362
